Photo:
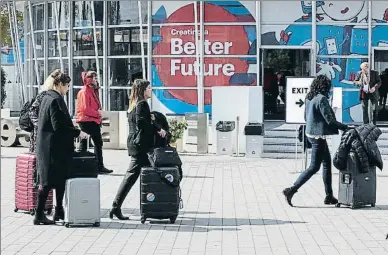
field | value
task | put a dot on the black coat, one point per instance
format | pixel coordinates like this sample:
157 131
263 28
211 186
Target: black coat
362 141
141 130
55 140
161 120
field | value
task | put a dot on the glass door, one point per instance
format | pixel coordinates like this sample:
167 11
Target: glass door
276 65
380 64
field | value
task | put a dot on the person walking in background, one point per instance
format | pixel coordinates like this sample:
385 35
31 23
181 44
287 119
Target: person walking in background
320 123
140 141
54 145
369 83
89 116
383 90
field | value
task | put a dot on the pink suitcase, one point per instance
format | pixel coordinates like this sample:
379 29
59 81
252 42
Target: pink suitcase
25 192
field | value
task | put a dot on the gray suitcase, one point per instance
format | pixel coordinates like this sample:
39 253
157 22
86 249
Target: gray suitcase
82 202
356 189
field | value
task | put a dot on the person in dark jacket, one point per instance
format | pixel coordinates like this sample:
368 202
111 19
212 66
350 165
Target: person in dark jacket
54 146
320 123
140 141
89 116
383 90
369 83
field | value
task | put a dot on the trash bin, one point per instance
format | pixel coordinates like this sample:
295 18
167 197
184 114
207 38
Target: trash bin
224 137
254 133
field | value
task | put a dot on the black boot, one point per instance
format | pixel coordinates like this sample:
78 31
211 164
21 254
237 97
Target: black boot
59 213
289 193
104 170
40 217
116 211
330 200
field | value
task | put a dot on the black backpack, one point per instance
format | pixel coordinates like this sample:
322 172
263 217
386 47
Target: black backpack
25 122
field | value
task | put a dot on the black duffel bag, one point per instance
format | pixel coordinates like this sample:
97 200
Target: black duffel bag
83 165
164 157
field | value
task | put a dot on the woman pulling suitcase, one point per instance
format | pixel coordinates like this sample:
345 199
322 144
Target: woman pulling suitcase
320 123
54 145
140 141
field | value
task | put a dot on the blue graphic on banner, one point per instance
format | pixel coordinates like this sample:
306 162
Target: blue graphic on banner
336 40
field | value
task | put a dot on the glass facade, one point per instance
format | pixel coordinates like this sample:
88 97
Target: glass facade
184 48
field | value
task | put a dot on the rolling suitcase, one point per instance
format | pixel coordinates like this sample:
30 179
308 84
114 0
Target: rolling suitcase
26 194
82 202
356 189
159 193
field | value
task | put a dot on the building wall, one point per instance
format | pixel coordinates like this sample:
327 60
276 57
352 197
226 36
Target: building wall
230 38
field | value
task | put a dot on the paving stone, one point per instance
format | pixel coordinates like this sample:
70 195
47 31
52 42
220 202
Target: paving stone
231 206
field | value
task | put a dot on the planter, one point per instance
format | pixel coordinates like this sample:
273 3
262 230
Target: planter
178 145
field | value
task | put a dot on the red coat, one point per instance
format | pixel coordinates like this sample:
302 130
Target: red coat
88 103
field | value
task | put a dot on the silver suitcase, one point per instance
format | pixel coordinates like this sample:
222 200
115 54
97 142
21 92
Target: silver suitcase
82 202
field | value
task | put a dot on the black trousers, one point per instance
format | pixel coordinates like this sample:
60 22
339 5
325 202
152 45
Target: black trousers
94 130
43 194
365 109
130 178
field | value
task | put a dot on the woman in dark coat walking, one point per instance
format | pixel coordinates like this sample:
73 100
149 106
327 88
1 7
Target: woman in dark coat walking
140 141
54 146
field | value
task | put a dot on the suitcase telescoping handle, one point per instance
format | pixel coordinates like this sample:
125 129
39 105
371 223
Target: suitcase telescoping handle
78 140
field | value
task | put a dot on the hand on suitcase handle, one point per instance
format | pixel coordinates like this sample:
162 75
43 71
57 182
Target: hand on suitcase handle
83 135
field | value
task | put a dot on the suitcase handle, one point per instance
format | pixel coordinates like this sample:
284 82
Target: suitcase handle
78 140
346 178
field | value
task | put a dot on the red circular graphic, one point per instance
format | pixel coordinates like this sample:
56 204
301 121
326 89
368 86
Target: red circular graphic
224 40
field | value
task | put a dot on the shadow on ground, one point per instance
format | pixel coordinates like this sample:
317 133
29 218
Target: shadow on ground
187 223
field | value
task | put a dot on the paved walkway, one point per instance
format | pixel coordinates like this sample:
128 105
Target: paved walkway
231 206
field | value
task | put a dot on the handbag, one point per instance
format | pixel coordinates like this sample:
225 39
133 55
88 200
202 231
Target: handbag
164 157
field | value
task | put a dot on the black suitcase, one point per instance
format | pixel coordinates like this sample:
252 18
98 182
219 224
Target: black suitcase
159 193
83 165
356 189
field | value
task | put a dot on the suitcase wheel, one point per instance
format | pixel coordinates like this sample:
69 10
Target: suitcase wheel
32 212
373 204
338 205
96 224
143 219
16 210
173 219
67 225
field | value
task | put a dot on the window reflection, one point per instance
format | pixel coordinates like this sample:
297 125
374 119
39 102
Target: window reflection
83 16
63 11
119 99
82 65
38 17
126 12
123 71
126 41
53 50
84 42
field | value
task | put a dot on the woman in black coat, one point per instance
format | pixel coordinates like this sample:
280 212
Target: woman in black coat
140 141
54 145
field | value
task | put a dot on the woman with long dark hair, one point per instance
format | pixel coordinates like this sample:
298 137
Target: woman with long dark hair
140 141
320 123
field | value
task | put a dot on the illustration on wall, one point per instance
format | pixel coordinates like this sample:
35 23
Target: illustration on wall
230 52
336 40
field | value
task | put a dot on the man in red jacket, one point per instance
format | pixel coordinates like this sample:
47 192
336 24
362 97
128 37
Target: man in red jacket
89 116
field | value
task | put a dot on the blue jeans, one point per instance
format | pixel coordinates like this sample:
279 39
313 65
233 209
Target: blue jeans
320 154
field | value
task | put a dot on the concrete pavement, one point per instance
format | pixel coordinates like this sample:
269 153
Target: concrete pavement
231 206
